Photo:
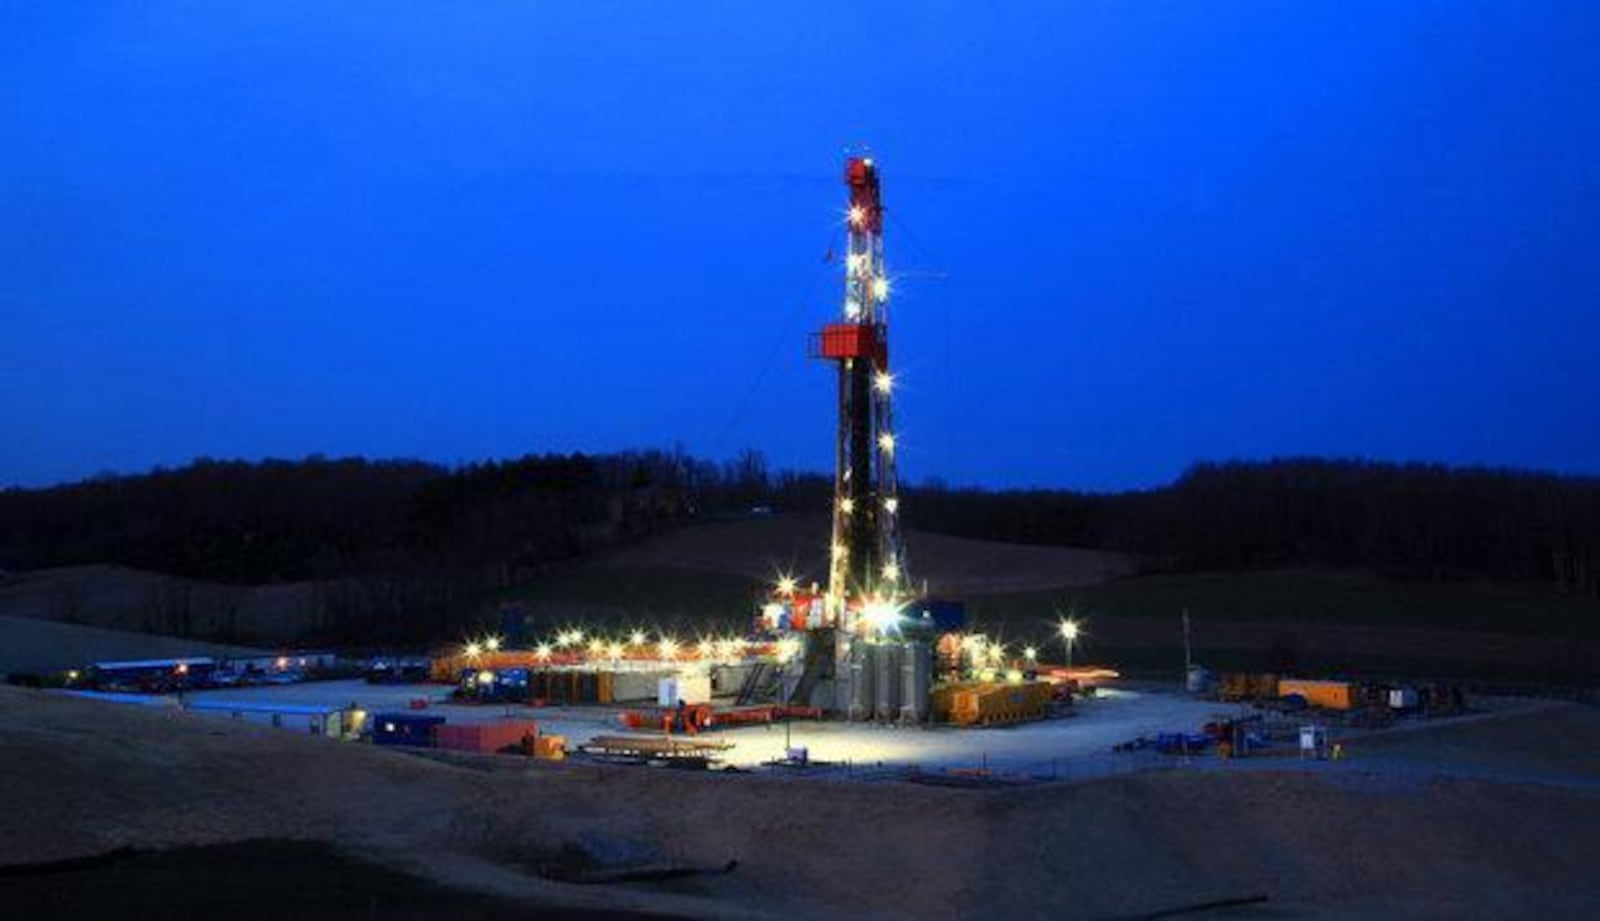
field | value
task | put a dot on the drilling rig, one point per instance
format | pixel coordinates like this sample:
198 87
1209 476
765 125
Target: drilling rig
863 656
867 558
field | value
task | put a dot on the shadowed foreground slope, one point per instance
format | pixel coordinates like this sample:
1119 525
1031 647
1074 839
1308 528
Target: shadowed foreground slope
84 778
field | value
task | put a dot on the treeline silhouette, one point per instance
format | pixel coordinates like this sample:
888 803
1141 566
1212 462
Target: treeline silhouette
496 523
1403 521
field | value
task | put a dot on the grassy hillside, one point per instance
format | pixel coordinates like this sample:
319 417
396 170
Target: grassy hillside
1321 623
1315 598
1324 623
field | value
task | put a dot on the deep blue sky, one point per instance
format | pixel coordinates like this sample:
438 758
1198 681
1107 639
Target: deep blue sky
1130 235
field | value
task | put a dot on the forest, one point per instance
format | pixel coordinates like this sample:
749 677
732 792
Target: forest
500 522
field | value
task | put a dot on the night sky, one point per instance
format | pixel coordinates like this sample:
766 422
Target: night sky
1125 235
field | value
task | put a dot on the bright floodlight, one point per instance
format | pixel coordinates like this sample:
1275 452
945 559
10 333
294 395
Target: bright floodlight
1030 653
891 572
891 505
1069 630
787 649
786 585
857 214
474 649
668 647
486 677
883 382
847 505
492 643
706 649
880 287
886 442
542 651
880 615
597 646
636 638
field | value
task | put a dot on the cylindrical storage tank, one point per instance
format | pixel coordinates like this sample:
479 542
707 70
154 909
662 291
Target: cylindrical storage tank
916 682
861 675
886 683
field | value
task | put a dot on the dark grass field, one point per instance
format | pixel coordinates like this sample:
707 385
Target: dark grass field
1317 598
688 601
1333 623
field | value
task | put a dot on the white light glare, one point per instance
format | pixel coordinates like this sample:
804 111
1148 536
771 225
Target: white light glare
880 288
886 442
891 505
880 615
474 649
883 382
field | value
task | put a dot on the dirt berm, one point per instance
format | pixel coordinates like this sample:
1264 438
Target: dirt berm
81 778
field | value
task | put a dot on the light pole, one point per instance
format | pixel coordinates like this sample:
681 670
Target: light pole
1069 636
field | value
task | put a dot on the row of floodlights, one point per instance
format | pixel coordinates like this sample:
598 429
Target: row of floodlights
666 648
981 651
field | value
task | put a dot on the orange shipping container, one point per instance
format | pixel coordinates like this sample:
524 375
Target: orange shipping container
550 748
1331 695
1001 703
485 737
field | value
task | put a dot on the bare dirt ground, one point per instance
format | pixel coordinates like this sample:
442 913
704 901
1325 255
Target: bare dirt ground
759 547
82 777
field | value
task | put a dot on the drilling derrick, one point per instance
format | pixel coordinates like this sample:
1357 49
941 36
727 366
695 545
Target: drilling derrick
851 649
867 558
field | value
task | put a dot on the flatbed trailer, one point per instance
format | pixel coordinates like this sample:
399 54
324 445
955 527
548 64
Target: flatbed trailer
644 748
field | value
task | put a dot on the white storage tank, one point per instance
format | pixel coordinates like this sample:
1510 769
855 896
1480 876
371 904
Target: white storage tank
861 681
886 682
916 682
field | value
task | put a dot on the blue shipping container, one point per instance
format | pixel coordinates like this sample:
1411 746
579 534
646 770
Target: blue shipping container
943 616
405 729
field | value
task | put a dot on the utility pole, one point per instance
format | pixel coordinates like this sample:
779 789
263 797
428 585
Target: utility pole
1188 658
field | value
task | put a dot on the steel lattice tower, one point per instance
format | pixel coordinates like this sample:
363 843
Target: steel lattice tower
867 556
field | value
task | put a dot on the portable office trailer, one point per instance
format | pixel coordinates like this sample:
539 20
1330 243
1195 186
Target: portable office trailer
333 722
154 674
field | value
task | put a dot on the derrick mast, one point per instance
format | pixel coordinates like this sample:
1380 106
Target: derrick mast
867 557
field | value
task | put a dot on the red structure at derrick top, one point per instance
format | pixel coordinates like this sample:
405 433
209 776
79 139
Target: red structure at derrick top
867 559
862 178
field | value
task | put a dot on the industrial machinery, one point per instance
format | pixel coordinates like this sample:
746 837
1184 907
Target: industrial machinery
862 656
